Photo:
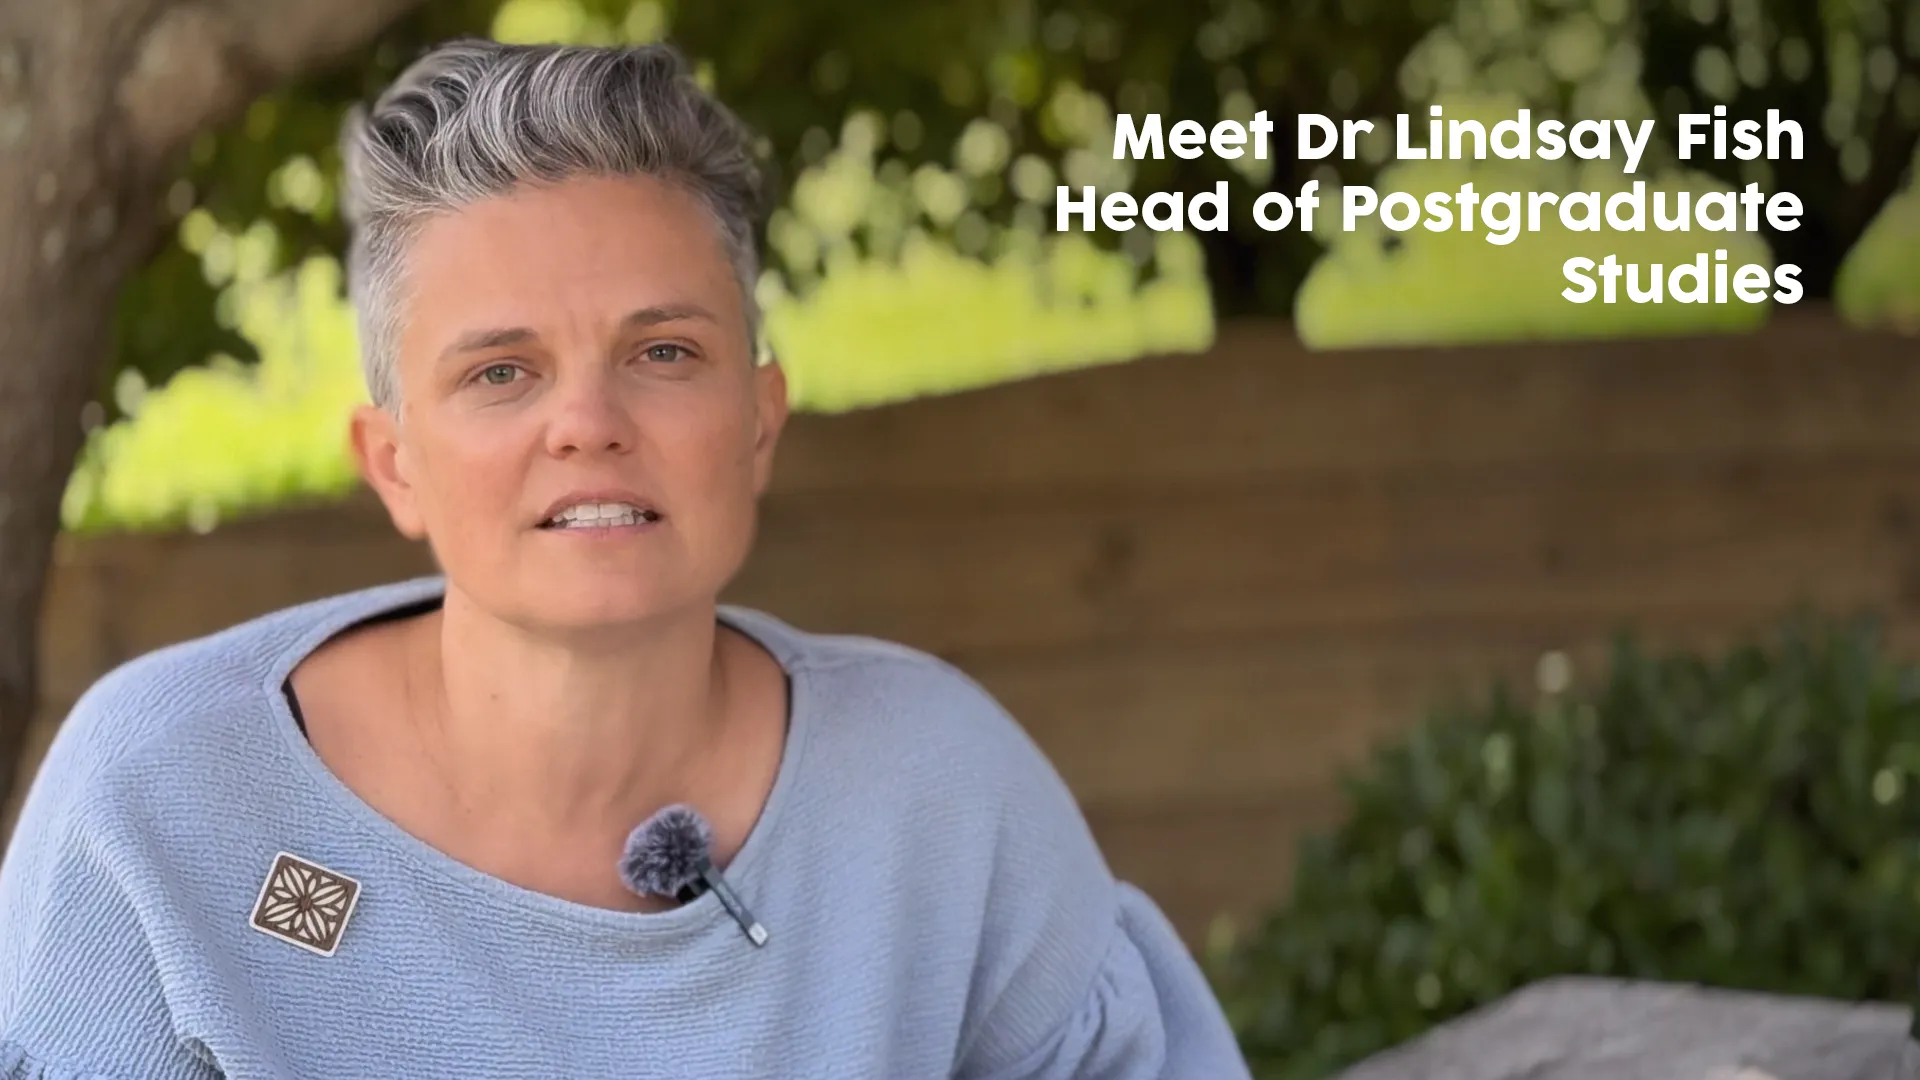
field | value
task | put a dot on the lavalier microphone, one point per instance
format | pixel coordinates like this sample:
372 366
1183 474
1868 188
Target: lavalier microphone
671 855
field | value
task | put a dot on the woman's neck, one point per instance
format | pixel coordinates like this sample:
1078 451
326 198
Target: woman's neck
567 735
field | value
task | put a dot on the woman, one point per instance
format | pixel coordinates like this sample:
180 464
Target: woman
393 833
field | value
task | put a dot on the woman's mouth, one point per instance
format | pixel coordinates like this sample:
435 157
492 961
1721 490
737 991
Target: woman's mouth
601 516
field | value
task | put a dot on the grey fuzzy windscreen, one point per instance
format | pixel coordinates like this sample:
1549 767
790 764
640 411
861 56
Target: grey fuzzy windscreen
668 852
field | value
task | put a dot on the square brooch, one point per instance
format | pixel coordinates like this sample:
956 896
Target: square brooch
305 904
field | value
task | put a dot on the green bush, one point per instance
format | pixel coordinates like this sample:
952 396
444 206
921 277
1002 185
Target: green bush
1748 820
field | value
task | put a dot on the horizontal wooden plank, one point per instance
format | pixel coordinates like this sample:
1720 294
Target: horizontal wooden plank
1259 403
1085 513
114 598
1590 548
1246 719
1154 724
1587 548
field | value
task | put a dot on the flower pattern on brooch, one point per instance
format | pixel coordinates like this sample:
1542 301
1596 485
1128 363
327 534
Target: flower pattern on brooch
305 904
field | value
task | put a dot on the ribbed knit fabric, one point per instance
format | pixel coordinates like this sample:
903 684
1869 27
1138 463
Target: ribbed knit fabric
936 904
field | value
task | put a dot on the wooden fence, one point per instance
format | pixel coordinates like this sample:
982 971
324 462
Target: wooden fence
1209 583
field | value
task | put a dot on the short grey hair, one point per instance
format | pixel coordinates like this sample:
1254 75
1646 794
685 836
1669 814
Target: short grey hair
474 119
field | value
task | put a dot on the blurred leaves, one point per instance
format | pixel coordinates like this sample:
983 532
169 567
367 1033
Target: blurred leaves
1847 70
1747 820
1033 86
1376 286
1010 95
912 162
1847 73
175 463
1879 283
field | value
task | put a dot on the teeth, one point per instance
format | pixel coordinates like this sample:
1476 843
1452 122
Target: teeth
600 516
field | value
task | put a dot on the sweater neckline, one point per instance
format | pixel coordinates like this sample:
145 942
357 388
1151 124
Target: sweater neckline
742 873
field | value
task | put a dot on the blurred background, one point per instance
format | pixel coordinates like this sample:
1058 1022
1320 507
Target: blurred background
1407 631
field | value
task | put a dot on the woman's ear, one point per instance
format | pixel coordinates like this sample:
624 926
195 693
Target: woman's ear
770 408
382 461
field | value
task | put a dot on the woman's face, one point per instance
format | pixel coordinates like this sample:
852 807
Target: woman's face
579 350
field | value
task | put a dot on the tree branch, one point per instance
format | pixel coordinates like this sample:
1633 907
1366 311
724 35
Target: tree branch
201 61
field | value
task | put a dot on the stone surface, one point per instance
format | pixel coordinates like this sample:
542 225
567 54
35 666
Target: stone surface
1605 1029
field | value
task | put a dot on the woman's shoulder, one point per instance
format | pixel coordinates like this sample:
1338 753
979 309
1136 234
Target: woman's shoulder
158 705
906 728
894 695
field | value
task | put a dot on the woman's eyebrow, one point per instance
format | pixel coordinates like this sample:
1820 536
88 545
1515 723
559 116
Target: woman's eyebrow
478 340
665 313
481 340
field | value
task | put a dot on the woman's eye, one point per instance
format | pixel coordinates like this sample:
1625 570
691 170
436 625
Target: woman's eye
498 374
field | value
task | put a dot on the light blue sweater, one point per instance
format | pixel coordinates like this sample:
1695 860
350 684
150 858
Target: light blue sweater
935 903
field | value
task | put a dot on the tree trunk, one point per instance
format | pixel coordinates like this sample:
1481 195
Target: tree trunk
98 98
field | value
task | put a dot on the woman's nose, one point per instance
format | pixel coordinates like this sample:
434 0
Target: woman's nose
590 415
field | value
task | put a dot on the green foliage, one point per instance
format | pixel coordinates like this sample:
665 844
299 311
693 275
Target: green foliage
936 70
1045 79
1379 287
913 160
911 180
1036 85
1750 820
891 274
1879 284
937 322
221 439
1849 72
